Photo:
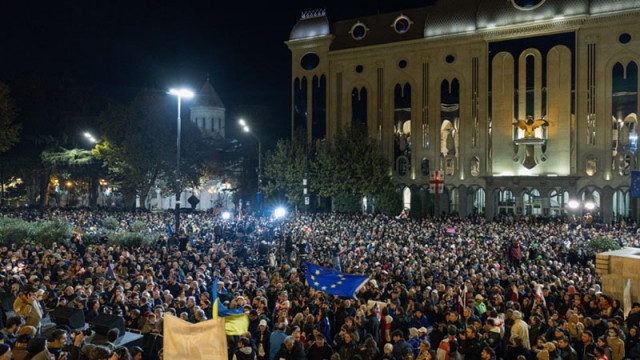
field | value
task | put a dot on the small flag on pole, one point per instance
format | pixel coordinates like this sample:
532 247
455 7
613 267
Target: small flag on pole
110 274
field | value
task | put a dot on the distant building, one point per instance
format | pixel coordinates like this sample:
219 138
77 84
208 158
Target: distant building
525 106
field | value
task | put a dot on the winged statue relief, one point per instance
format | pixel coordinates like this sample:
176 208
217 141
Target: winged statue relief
529 126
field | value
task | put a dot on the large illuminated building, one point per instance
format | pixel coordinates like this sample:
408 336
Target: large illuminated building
525 106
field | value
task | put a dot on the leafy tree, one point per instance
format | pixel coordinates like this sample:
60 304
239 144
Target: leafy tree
388 202
77 163
8 129
136 144
352 163
346 202
284 170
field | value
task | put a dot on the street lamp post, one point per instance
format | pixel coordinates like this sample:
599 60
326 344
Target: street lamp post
246 129
187 94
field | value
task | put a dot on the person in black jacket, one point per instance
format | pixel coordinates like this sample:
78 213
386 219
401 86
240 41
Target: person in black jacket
291 350
565 350
319 350
245 350
471 346
373 325
401 348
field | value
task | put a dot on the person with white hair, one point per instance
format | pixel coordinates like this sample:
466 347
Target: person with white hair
521 329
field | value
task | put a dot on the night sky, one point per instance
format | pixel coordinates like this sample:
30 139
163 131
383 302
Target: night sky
116 48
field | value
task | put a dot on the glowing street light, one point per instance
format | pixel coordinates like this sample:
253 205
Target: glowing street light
187 94
226 215
279 212
90 137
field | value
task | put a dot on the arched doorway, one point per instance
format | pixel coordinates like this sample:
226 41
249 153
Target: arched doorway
406 198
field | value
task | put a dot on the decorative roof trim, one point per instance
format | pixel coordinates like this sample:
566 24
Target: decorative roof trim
313 14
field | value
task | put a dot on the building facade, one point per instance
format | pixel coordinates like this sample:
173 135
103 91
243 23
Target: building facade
525 106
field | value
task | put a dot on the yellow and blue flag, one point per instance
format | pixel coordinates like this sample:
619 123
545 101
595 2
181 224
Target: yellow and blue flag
333 282
635 183
222 311
235 321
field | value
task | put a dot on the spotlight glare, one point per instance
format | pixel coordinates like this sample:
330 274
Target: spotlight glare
573 204
226 215
279 212
589 205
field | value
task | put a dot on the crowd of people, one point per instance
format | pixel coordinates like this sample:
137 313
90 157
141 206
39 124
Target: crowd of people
443 289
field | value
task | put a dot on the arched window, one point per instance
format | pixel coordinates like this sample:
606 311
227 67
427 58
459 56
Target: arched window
506 202
425 167
359 106
449 124
318 120
558 202
402 123
532 202
621 205
453 200
479 201
403 165
590 200
300 104
406 198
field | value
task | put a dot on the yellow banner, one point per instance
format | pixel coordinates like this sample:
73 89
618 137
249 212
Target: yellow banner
201 341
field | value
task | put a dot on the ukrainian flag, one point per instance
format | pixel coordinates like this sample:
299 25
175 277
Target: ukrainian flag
333 282
235 321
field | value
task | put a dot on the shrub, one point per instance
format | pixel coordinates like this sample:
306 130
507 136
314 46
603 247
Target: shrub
13 231
138 226
110 224
388 203
91 238
48 232
347 203
602 244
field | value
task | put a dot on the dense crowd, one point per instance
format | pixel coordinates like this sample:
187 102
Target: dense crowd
439 289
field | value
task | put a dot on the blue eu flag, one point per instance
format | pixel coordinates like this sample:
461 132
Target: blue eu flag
333 282
635 183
